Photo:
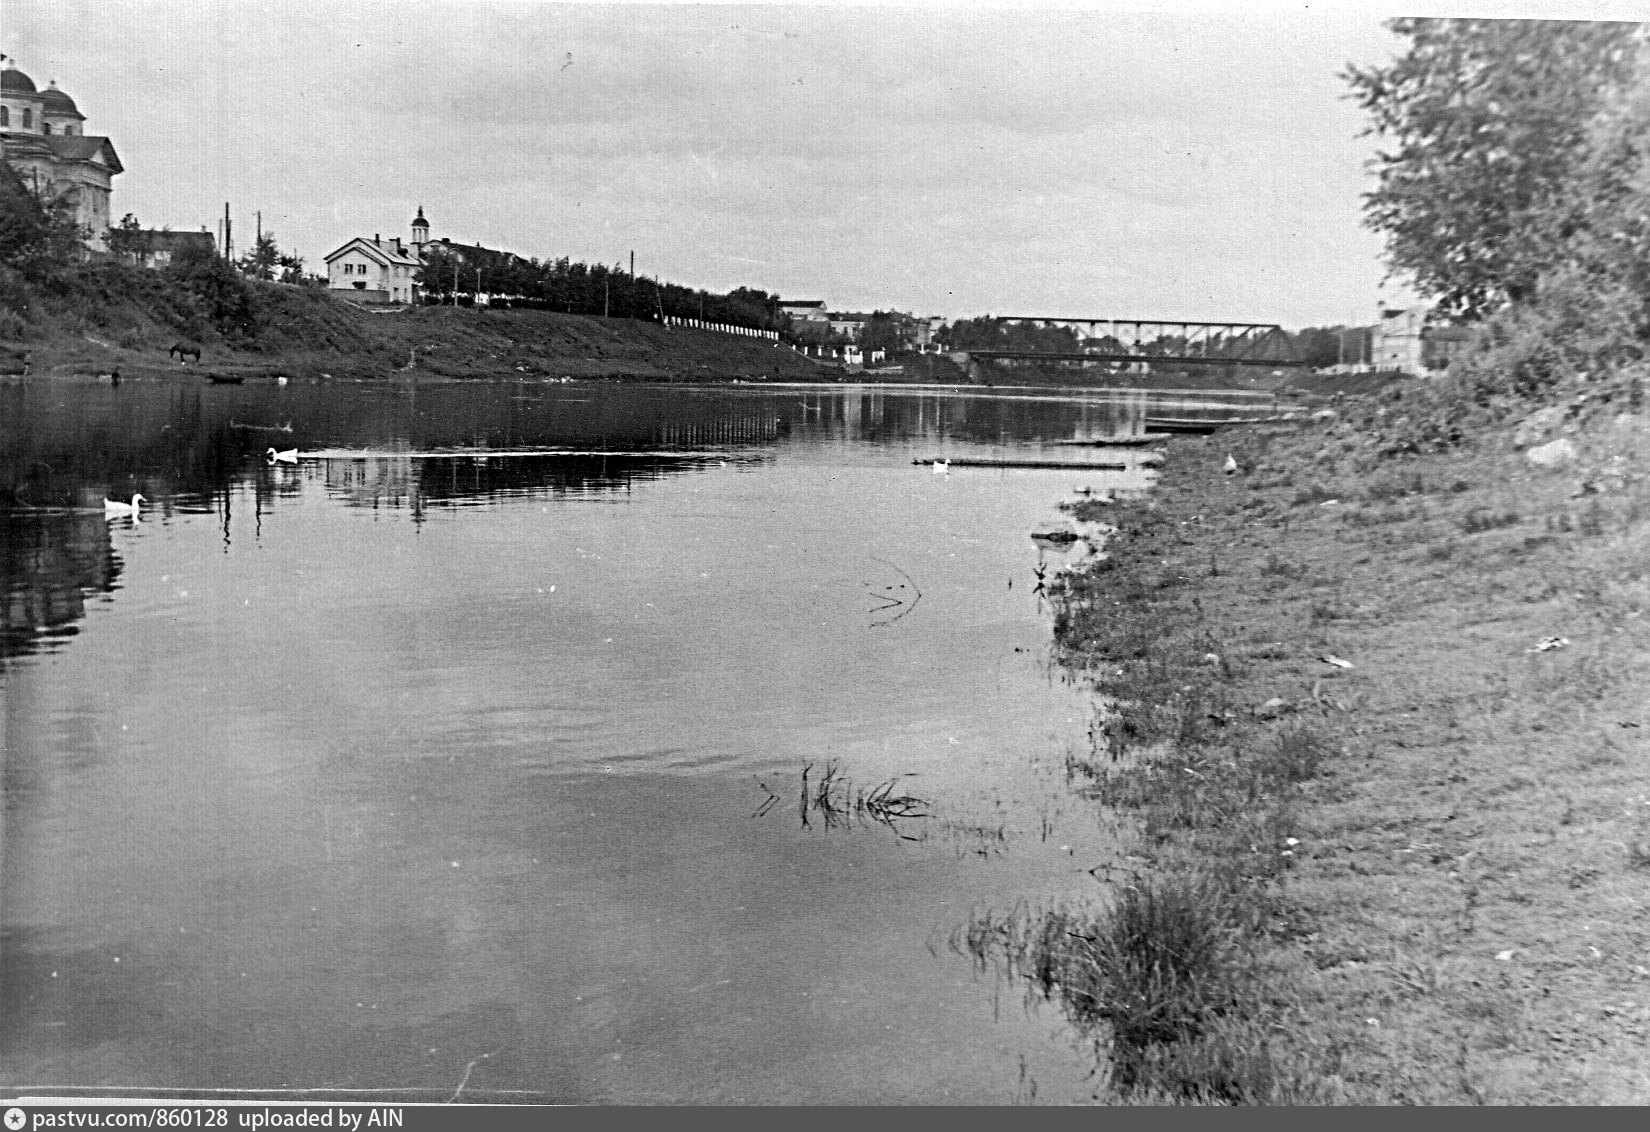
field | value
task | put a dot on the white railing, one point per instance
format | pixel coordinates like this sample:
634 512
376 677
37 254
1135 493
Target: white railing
721 327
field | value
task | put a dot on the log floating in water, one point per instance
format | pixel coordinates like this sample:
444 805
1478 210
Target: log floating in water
1077 465
1118 441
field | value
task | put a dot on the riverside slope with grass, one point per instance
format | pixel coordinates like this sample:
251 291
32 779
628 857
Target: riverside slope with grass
97 318
1379 727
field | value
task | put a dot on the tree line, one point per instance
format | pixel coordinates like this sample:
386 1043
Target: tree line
1315 346
451 275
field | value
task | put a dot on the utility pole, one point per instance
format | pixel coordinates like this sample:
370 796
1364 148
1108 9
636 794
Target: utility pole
633 263
228 239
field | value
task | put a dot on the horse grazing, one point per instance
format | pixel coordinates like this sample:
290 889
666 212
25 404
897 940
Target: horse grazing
182 351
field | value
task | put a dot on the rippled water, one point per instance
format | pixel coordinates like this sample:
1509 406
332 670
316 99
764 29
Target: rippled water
470 748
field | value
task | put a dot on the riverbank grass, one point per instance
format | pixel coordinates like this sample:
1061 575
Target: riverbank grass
1385 716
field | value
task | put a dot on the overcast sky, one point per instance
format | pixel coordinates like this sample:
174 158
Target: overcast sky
1080 160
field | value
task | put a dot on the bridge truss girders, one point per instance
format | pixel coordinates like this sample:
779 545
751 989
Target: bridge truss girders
1166 340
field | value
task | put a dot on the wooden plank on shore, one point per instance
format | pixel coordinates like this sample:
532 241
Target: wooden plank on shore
1071 465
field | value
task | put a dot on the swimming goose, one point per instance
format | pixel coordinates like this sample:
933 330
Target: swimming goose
288 456
115 507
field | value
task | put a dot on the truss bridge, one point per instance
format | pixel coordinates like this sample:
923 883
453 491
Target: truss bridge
1135 345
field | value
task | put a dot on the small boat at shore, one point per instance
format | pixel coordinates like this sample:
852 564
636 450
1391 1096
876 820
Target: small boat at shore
225 379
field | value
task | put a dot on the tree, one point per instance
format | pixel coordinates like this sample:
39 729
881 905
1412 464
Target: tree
885 330
435 278
261 259
1491 121
39 233
219 293
1323 346
292 268
130 241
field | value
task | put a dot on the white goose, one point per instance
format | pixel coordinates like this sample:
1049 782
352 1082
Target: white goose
287 456
942 467
114 507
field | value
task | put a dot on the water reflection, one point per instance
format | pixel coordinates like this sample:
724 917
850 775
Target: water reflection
406 762
418 482
50 564
62 445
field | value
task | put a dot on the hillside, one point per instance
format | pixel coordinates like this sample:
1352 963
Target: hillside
102 317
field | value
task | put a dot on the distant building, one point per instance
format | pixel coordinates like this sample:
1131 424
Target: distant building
1405 340
385 270
43 138
1397 339
808 318
849 326
375 270
158 247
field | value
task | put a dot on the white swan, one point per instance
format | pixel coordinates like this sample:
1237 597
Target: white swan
115 507
287 456
942 467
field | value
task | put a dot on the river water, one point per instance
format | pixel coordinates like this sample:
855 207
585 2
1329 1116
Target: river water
467 755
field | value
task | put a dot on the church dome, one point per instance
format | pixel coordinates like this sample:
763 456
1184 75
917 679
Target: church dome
14 81
419 221
56 102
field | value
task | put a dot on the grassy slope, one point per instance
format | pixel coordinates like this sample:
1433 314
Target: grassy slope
128 319
1465 917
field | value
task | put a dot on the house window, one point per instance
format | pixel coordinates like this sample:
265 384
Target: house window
5 117
28 118
46 128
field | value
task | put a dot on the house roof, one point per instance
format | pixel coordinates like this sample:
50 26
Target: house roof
162 240
65 147
472 251
384 252
802 302
78 147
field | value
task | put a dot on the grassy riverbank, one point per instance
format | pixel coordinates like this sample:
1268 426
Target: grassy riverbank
1382 733
104 317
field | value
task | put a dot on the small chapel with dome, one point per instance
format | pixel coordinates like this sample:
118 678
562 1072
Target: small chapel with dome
44 139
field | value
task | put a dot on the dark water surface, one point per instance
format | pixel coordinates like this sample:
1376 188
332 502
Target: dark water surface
446 754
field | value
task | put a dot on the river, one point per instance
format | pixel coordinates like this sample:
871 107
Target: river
584 743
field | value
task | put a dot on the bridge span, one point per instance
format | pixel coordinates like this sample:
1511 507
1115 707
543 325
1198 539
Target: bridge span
1136 344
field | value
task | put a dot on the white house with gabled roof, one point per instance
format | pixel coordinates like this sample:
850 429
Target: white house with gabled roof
375 270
